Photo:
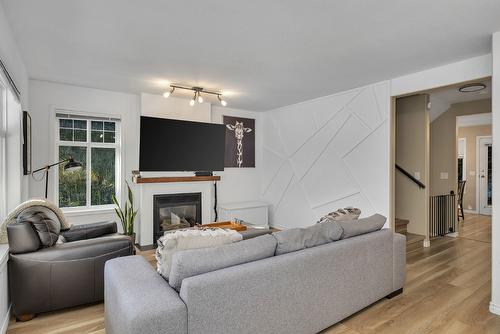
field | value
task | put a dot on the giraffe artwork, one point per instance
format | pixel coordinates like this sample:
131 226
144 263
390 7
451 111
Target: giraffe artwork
240 142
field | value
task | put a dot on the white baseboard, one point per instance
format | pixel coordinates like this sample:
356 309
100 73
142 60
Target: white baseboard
5 322
494 308
474 212
452 235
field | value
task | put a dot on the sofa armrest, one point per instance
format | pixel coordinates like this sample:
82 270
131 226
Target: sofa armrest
399 261
137 300
89 231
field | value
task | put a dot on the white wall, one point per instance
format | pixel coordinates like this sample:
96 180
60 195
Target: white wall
45 96
495 242
11 57
327 153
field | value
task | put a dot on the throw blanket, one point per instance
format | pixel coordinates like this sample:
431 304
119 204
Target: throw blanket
11 218
189 239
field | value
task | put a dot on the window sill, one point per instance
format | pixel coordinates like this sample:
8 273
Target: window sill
87 211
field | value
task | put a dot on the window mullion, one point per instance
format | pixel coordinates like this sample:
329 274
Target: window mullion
89 167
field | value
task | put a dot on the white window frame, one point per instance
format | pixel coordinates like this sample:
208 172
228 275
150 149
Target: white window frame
463 141
117 145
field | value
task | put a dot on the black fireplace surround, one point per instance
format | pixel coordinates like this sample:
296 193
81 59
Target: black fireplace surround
175 211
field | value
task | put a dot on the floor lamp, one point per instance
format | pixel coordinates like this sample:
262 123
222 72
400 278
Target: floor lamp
70 166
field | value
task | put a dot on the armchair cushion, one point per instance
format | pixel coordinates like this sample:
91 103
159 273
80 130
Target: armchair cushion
89 231
44 221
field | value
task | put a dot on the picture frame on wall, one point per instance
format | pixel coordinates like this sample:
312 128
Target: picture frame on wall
27 144
240 142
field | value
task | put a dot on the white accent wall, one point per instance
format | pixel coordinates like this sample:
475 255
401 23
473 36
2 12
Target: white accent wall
327 153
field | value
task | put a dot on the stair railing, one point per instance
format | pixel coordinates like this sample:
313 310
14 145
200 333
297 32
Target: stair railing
411 177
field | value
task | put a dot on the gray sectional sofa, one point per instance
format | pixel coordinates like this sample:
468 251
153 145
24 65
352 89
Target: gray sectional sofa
246 288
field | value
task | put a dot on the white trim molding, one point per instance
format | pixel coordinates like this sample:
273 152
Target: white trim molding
494 308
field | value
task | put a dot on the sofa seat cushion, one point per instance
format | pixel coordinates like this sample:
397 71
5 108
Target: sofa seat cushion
352 228
179 240
300 238
194 262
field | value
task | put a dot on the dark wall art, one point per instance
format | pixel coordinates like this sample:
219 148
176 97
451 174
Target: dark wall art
240 142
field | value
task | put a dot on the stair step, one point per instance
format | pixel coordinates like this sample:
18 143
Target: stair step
401 225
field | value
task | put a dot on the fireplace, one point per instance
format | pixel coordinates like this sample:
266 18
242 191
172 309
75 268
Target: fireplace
175 211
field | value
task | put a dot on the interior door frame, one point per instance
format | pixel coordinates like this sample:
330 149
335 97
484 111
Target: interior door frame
478 176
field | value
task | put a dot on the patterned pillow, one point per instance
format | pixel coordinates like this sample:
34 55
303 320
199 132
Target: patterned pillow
348 213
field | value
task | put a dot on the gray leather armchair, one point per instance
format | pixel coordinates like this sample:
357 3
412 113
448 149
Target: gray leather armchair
46 275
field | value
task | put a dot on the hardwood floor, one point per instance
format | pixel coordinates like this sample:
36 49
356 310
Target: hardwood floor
447 292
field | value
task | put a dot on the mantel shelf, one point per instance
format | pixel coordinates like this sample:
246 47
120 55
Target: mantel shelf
171 179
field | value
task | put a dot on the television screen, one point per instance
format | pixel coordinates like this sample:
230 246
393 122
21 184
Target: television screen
174 145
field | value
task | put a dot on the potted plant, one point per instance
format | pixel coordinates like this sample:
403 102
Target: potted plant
127 214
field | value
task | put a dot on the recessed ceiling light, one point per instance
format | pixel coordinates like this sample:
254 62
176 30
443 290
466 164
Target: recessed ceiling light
472 88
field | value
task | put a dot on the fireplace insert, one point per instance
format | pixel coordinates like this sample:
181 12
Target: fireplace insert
175 211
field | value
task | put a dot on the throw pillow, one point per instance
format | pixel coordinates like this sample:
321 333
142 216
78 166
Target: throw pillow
189 239
361 226
194 262
348 213
300 238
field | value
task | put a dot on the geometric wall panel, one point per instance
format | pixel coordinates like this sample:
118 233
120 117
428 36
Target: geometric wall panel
333 152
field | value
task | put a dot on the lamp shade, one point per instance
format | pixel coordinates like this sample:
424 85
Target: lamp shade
72 166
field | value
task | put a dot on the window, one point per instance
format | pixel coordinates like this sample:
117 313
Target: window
94 142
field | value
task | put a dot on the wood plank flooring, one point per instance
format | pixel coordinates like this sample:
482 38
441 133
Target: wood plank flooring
447 292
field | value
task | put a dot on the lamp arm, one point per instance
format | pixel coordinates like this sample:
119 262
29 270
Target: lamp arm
51 165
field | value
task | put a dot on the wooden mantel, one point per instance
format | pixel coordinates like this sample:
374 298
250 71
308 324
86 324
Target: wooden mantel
170 179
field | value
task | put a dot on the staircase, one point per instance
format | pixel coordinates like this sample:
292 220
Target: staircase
401 225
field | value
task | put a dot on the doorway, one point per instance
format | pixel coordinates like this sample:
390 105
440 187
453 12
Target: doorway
484 155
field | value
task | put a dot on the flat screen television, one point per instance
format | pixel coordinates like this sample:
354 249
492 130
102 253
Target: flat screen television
175 145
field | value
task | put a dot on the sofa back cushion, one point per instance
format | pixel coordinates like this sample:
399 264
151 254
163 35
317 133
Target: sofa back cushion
300 238
194 262
44 221
356 227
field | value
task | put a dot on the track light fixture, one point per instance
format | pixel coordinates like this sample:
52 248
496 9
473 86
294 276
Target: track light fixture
197 94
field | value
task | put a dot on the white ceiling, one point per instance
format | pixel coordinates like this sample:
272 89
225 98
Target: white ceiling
266 54
442 98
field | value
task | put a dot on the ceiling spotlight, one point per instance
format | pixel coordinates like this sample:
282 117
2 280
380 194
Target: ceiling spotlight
167 94
193 100
472 88
223 102
200 99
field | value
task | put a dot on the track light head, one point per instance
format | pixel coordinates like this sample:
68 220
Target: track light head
193 100
222 102
167 94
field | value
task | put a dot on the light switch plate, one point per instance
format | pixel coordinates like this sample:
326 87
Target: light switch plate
443 175
417 175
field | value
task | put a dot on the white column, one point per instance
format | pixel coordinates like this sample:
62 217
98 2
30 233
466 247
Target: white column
495 242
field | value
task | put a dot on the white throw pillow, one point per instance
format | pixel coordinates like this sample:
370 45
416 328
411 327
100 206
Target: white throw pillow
171 242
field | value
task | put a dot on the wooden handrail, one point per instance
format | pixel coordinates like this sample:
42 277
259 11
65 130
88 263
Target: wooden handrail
411 177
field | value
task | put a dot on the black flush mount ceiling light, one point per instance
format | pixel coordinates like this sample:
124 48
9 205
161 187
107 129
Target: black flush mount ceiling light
472 87
197 94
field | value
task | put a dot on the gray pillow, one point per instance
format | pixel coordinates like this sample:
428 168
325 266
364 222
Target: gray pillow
194 262
45 223
300 238
353 228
